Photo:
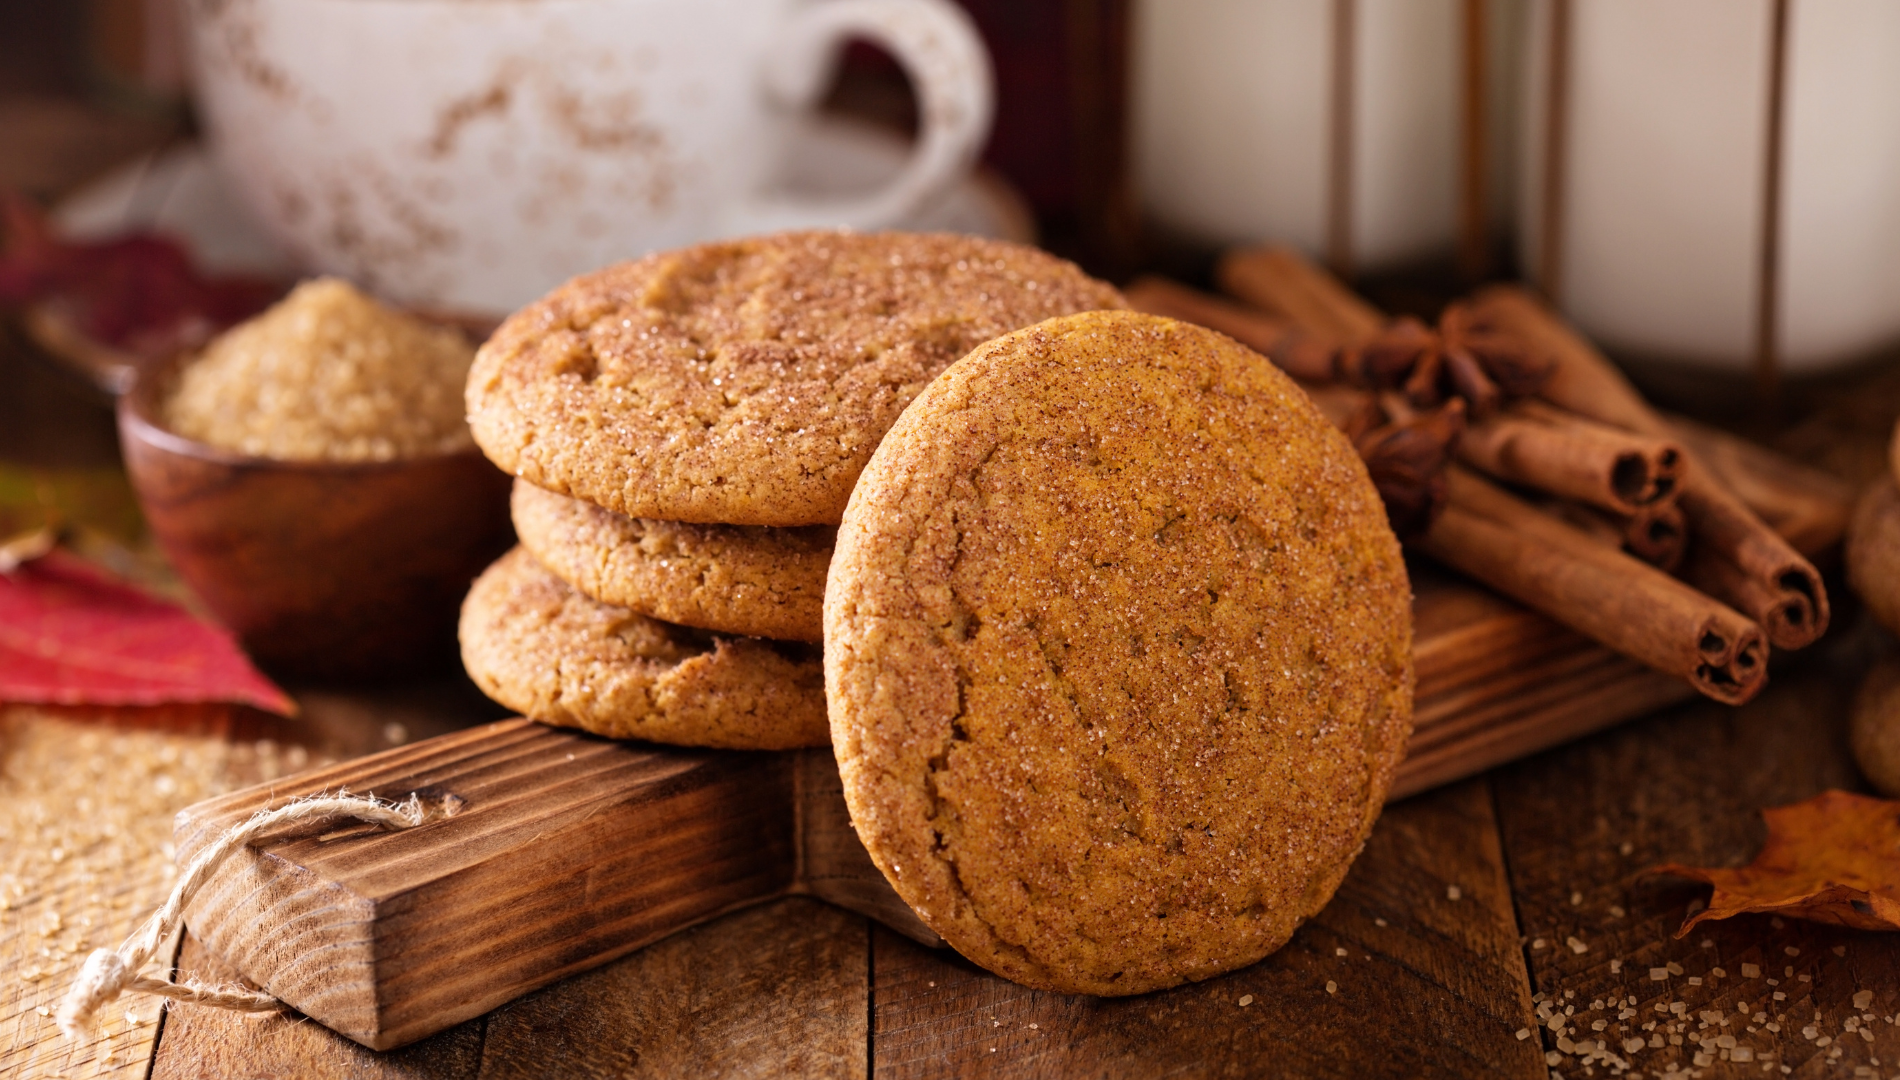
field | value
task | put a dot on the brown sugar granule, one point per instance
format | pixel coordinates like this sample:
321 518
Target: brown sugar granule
327 374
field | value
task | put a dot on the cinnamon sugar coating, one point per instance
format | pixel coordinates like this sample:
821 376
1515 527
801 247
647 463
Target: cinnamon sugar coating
537 646
1117 655
736 579
747 382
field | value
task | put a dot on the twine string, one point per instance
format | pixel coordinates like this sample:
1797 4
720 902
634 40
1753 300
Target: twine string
108 973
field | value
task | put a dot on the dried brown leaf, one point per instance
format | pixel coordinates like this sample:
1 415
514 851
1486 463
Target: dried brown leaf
1834 858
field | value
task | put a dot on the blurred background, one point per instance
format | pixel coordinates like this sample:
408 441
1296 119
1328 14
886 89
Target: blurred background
1711 188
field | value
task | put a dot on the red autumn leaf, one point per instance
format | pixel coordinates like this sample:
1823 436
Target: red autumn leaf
139 293
70 635
1834 859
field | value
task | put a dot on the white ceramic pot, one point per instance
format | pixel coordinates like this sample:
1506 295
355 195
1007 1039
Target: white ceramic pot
1245 130
471 154
1662 240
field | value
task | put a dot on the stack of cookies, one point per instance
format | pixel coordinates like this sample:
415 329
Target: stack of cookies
685 431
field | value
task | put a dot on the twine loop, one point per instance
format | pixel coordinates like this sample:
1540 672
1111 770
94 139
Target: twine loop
107 973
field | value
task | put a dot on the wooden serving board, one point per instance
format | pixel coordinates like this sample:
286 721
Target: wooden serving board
545 852
548 852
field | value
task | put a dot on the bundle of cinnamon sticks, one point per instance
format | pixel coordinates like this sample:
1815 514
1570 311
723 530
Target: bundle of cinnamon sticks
1506 446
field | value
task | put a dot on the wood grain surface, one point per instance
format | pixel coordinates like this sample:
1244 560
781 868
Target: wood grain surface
82 861
1394 978
87 797
546 852
777 990
202 1042
1581 825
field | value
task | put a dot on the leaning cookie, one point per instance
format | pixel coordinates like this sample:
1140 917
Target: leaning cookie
1118 655
746 382
537 646
737 579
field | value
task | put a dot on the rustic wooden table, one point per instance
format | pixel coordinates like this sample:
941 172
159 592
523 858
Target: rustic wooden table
1501 926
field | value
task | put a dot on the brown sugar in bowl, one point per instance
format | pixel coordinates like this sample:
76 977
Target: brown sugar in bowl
322 568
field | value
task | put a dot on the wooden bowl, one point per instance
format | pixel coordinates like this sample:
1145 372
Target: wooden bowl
323 569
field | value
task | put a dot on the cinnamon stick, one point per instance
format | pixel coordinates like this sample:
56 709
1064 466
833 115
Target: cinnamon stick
1734 554
1285 283
1805 506
1657 534
1296 352
1588 520
1627 605
1553 450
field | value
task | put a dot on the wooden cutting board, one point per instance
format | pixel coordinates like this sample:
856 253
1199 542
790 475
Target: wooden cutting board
548 852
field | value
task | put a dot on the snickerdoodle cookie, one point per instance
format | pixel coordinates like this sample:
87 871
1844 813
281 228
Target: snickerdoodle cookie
737 579
537 646
1117 653
746 382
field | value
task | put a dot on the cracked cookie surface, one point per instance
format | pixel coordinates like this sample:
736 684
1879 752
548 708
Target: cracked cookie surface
746 382
535 645
737 579
1118 655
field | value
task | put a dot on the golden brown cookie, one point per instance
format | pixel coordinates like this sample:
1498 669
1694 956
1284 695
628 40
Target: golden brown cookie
537 646
747 382
737 579
1118 655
